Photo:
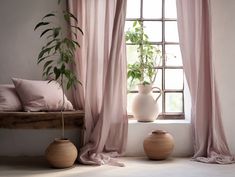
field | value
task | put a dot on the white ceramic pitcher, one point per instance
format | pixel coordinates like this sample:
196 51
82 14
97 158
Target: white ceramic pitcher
145 108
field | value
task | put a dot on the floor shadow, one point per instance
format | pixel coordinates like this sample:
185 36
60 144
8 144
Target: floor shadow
147 160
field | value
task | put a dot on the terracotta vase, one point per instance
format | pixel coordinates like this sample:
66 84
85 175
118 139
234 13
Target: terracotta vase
145 108
158 145
61 153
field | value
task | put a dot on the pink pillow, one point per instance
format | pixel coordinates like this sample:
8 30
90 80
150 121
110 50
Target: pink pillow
40 95
9 100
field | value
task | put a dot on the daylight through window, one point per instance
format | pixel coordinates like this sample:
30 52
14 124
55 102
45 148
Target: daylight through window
158 20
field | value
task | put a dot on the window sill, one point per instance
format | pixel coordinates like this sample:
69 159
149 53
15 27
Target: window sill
185 121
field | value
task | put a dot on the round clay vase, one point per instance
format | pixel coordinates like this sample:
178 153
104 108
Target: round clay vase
61 153
158 145
145 108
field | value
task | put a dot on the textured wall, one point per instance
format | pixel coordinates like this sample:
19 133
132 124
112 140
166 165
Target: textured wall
223 30
19 44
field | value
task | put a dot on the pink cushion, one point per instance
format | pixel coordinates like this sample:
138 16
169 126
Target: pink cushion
40 95
9 100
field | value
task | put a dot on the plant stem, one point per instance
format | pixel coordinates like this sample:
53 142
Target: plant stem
156 70
62 108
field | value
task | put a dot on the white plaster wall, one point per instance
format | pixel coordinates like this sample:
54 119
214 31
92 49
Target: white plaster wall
19 44
31 142
19 47
223 32
34 142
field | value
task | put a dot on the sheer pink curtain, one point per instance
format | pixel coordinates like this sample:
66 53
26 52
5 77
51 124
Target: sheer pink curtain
194 24
101 67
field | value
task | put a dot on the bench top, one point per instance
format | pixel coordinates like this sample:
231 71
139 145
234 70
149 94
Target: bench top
41 120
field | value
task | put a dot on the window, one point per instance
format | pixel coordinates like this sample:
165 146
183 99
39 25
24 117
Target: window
159 21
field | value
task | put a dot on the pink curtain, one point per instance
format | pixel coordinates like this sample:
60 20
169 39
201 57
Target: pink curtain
194 24
101 67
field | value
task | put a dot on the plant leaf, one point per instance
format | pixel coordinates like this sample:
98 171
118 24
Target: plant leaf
76 43
70 44
45 31
134 24
67 73
79 82
43 52
66 17
69 84
56 32
77 28
47 64
62 68
47 71
50 42
41 59
50 80
71 15
57 73
52 35
57 46
75 35
48 15
41 24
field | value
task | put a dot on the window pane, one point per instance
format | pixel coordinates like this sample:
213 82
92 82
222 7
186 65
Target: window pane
159 101
128 25
159 55
173 55
152 8
170 9
158 80
174 78
171 31
174 102
133 9
132 86
132 54
154 30
132 57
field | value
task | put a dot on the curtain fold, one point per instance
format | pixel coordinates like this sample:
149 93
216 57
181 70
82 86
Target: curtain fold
101 67
194 25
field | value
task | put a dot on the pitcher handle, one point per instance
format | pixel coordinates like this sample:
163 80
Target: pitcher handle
160 92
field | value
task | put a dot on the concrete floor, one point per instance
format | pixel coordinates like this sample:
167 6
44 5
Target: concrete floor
134 167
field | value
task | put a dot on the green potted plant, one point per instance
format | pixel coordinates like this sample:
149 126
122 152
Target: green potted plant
57 56
143 73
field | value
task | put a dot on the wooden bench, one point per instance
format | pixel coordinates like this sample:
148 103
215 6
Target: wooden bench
43 120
